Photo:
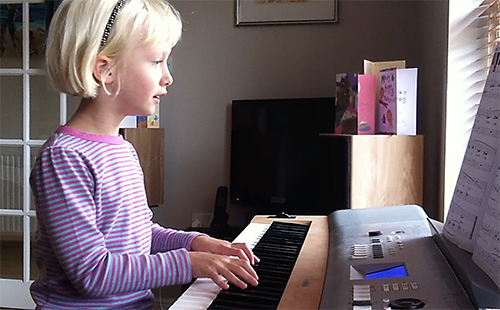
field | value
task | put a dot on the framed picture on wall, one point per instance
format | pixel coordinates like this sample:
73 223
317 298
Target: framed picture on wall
269 12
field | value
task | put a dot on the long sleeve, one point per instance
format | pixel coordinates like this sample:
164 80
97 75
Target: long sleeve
166 239
95 231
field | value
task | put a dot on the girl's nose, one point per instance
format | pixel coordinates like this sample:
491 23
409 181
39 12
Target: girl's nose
167 78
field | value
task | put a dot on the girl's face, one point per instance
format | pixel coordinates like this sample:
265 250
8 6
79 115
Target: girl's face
144 80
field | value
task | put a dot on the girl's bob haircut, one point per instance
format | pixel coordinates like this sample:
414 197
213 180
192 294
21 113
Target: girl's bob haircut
76 31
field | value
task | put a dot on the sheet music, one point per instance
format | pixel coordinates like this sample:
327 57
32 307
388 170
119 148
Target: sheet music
473 220
487 252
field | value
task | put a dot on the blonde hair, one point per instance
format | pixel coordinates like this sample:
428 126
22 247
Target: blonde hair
76 31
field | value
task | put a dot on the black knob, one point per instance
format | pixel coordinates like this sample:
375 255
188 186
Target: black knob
407 303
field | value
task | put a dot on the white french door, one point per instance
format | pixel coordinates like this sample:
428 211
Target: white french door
29 112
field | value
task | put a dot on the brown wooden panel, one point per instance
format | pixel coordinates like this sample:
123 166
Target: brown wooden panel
149 144
386 170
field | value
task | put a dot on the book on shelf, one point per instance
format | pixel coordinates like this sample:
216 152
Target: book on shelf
150 121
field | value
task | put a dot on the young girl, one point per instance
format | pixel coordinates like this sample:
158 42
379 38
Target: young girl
96 246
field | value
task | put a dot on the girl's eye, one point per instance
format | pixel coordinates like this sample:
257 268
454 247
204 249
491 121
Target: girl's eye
157 62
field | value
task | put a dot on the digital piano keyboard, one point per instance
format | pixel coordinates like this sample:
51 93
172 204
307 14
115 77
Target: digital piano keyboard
360 259
303 282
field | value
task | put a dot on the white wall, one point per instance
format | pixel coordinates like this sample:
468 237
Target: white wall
216 62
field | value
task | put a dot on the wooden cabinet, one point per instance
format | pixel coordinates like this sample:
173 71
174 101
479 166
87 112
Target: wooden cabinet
149 144
366 171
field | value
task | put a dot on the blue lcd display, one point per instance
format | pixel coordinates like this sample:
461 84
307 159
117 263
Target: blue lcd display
394 272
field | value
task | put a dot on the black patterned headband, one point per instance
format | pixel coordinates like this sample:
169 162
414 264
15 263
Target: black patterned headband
111 21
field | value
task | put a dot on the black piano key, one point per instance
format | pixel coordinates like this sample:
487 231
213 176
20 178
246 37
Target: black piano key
272 283
278 250
270 263
230 304
267 289
253 294
280 267
285 259
248 301
269 270
268 277
271 248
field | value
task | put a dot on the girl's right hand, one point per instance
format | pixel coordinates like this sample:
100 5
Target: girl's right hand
222 268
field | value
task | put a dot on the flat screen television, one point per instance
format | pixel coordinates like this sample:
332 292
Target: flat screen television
275 153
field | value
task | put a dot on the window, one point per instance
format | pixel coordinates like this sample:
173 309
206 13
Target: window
474 31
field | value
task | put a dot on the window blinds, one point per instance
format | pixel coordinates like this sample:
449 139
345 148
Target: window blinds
474 31
492 25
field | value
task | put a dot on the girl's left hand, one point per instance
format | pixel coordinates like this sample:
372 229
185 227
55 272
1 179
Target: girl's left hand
223 247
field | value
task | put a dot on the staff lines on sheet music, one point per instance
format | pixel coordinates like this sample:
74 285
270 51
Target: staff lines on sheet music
493 211
460 221
495 133
493 207
491 232
470 180
487 122
491 94
491 84
489 115
489 258
468 197
470 190
494 201
480 155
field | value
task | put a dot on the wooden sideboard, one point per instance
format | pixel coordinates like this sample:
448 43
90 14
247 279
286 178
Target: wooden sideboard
375 170
150 146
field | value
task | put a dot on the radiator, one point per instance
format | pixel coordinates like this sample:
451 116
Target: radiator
11 192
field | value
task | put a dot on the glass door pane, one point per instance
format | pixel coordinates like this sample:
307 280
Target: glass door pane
11 48
44 110
11 247
37 33
11 178
11 107
29 113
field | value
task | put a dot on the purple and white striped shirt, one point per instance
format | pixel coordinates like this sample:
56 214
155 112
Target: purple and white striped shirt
96 245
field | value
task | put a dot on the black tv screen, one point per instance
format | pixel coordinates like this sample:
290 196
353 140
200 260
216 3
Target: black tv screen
275 153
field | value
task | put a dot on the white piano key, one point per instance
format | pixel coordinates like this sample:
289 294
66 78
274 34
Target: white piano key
198 296
203 291
252 234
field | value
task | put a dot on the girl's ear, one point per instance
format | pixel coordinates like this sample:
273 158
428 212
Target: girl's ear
101 70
